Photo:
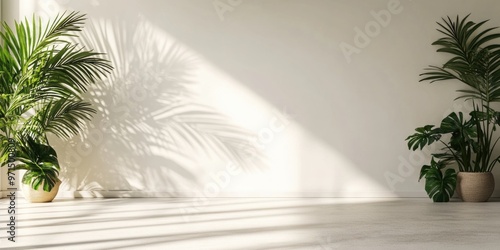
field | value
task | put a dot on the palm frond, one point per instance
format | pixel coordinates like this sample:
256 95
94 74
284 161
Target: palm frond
474 60
64 118
40 69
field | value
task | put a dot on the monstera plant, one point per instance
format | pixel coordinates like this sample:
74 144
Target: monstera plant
43 75
469 142
459 140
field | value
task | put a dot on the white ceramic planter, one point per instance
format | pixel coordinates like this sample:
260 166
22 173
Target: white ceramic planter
37 196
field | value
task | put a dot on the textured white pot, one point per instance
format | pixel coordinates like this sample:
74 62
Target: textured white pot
37 196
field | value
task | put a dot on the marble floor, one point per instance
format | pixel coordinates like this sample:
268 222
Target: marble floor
252 223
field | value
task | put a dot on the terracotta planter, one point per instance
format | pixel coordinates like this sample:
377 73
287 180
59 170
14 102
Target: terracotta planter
37 196
475 187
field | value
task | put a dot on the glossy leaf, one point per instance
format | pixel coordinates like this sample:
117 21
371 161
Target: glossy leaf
41 162
425 136
439 186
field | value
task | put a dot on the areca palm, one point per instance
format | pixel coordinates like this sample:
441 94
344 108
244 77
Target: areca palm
475 62
42 78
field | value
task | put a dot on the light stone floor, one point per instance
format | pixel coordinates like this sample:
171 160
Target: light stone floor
252 223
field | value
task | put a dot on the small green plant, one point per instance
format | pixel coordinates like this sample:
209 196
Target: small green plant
458 147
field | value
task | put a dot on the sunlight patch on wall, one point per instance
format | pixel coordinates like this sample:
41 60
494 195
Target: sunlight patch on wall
298 163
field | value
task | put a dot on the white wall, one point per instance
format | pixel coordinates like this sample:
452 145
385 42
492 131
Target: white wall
193 85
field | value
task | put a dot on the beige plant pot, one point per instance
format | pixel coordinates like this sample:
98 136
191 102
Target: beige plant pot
475 187
38 196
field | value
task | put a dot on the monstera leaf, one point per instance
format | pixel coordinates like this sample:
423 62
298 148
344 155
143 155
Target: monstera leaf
425 135
462 131
439 186
41 162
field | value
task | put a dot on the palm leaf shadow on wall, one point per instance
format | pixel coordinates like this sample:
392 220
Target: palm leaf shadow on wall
150 132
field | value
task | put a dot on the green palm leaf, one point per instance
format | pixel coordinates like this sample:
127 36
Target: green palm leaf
474 61
42 70
64 118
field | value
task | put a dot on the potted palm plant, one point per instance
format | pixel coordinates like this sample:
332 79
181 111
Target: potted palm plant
474 62
43 75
